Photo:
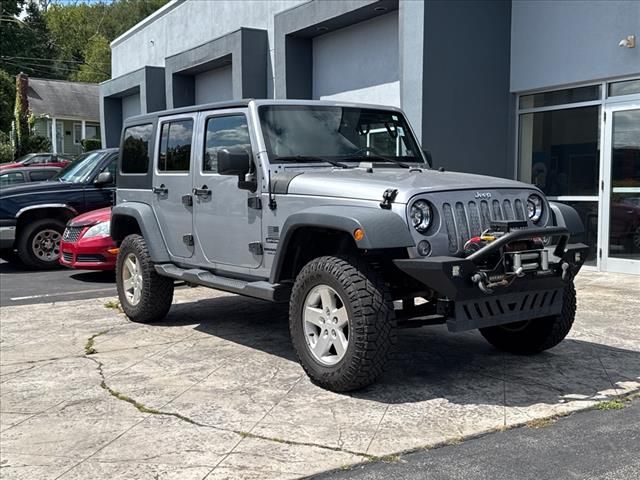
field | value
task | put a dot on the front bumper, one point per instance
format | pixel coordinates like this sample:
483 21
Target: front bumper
536 294
88 254
7 233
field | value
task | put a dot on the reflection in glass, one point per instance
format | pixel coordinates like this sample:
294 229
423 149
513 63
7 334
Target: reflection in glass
588 212
560 97
559 150
627 87
624 222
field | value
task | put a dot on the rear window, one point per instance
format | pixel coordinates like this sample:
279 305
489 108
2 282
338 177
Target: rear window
135 148
175 146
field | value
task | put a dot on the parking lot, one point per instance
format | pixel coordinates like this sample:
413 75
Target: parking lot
215 392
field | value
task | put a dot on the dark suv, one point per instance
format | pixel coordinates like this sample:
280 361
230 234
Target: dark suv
33 215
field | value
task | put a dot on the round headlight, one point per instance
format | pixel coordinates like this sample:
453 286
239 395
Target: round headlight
421 215
534 208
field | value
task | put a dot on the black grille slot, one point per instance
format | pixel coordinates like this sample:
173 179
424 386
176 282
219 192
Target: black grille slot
461 223
508 211
71 234
90 258
67 256
474 219
485 214
451 227
518 209
497 212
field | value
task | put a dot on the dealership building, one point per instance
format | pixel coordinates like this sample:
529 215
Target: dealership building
544 91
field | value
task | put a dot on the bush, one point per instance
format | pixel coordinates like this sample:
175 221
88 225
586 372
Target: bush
6 153
89 144
35 144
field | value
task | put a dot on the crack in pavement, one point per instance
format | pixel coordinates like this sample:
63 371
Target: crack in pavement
243 434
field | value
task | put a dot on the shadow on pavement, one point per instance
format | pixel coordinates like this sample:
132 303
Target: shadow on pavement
95 276
430 362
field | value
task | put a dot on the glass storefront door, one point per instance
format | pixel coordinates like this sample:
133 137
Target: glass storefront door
621 190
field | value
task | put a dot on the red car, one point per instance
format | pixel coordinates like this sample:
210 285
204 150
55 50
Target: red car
86 243
39 160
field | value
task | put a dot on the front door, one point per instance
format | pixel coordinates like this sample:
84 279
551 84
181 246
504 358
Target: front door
621 190
227 228
172 200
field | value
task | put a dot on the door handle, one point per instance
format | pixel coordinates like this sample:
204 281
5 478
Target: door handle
202 192
161 189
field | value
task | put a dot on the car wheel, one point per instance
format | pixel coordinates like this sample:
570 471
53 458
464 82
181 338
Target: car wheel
534 336
144 295
342 322
39 244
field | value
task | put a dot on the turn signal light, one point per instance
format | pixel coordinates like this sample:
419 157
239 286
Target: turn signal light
358 234
113 251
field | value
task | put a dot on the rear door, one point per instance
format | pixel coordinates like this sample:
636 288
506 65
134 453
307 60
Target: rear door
172 183
227 228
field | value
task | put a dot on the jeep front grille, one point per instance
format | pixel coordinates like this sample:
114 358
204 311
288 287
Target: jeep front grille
463 220
71 234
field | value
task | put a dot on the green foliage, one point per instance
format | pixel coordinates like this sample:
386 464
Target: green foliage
34 144
7 100
89 144
6 152
70 41
21 113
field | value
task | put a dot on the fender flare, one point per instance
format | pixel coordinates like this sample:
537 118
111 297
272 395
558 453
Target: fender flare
564 215
383 229
146 220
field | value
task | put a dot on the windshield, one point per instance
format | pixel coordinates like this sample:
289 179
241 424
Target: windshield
81 169
26 157
313 132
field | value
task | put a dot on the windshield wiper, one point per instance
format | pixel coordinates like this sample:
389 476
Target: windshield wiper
379 157
310 158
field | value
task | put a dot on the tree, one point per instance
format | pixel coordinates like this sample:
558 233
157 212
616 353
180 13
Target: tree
7 100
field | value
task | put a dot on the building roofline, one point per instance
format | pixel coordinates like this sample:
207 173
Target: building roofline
61 81
172 4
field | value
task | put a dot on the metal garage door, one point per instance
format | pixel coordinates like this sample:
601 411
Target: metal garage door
214 85
359 63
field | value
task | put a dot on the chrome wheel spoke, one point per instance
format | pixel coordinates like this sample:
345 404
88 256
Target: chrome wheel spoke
322 345
342 316
328 300
127 283
340 343
314 316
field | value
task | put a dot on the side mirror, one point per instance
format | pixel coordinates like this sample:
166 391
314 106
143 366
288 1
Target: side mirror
428 156
237 162
103 178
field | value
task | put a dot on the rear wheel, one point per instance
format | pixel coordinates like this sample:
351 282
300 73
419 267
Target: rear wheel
39 244
144 295
536 335
342 322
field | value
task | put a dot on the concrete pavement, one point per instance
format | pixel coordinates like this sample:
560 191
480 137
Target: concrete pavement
214 391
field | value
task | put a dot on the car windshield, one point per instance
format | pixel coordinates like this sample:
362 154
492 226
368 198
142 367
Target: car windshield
313 133
26 157
81 169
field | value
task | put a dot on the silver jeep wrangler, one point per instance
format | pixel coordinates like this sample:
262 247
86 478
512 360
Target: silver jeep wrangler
335 209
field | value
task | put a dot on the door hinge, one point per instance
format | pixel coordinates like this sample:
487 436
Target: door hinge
600 253
255 203
256 248
187 200
604 116
602 185
188 239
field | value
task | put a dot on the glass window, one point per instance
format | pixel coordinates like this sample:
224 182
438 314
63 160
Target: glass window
628 87
135 149
588 212
38 160
41 175
93 132
560 97
338 133
175 146
224 132
77 133
559 151
11 178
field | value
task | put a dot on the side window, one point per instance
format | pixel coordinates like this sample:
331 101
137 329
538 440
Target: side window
40 175
11 178
135 149
224 132
39 159
175 146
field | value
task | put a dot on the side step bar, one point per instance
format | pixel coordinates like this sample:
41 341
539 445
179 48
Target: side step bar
259 289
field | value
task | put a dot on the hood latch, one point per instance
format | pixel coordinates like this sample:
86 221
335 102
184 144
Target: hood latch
388 197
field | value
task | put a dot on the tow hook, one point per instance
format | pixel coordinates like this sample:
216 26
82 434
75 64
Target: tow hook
566 273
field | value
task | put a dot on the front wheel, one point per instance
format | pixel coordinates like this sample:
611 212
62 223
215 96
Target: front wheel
39 244
536 335
144 295
342 322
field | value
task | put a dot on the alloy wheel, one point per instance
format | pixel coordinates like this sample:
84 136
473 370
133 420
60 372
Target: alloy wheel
132 279
326 325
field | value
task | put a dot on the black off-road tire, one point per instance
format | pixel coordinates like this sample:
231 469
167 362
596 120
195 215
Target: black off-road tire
157 291
372 325
534 336
24 245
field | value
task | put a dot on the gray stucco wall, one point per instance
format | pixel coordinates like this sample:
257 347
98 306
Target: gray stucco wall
366 57
130 106
561 42
214 85
467 109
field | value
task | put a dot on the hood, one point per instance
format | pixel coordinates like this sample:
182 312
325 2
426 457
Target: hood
37 187
91 218
5 166
360 184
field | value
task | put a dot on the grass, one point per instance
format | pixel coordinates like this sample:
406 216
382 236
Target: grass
541 422
611 405
89 347
113 304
